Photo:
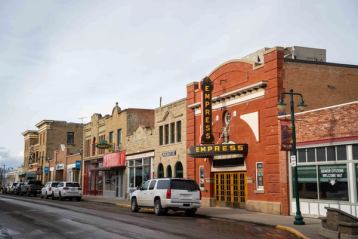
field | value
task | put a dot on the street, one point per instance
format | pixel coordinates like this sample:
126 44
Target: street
30 217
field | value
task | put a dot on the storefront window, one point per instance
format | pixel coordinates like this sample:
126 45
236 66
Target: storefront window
355 151
321 154
311 155
302 155
160 171
169 171
139 171
331 153
341 152
178 170
110 180
307 182
333 183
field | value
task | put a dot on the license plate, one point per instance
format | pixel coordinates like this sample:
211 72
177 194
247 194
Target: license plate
73 189
186 204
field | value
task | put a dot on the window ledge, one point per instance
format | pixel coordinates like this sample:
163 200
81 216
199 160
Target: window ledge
259 191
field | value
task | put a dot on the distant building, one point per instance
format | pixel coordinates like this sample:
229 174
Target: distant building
105 146
40 146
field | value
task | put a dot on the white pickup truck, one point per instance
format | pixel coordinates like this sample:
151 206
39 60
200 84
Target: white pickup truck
167 193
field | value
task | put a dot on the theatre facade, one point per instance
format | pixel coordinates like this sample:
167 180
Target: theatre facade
233 127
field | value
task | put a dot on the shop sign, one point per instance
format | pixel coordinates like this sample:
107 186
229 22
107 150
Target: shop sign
206 109
332 172
78 164
286 135
117 159
60 166
103 145
202 151
169 153
46 169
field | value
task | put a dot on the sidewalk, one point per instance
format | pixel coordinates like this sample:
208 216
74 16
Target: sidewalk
310 230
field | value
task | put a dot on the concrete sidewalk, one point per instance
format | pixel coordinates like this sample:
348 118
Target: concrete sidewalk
309 230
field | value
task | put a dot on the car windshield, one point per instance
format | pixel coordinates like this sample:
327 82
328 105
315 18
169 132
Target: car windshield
54 184
72 185
189 185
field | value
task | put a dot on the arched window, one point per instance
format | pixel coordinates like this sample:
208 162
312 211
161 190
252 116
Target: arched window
169 171
160 171
178 170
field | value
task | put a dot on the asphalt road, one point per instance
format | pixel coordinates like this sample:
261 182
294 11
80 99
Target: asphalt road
28 217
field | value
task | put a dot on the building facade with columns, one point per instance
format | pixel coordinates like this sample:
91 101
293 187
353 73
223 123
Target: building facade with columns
244 113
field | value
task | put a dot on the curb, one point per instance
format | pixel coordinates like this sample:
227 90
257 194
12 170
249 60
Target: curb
292 231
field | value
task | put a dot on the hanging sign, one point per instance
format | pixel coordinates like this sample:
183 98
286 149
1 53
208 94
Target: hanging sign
206 109
286 135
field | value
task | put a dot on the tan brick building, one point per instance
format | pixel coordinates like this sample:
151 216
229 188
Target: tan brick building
105 167
170 135
41 144
140 156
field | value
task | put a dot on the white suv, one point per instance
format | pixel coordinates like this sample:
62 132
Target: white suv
48 190
68 190
167 193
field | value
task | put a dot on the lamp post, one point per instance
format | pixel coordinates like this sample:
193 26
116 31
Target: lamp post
281 106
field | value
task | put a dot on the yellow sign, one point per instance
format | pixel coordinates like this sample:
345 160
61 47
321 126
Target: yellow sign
217 149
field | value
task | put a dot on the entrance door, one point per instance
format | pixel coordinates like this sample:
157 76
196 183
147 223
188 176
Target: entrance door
230 189
119 183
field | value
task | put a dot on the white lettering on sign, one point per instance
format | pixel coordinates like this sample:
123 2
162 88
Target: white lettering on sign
332 172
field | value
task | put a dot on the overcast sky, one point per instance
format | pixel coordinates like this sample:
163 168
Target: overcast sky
64 60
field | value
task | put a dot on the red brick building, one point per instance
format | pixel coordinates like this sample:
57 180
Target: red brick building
244 110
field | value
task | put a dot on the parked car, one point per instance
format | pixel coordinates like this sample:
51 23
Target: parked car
68 190
11 188
17 188
48 190
31 188
167 193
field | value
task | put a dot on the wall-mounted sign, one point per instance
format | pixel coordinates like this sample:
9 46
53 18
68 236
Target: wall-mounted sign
78 164
169 153
60 166
46 169
117 159
206 109
103 145
203 151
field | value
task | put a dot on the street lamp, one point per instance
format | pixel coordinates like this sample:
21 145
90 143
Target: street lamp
281 106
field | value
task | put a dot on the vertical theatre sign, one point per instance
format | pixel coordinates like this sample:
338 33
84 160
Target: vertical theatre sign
206 107
207 149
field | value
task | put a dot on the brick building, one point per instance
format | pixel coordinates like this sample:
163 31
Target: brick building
40 146
170 135
327 140
244 111
105 150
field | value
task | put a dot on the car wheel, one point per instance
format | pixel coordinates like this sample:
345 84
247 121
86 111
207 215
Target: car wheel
190 212
46 196
158 210
78 199
134 205
60 197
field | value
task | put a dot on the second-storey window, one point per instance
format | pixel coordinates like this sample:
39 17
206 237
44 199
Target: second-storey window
178 131
161 135
172 133
70 138
166 132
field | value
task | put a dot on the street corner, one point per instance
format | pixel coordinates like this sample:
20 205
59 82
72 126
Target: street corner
293 231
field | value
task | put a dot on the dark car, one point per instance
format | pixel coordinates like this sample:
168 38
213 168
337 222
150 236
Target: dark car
31 188
17 188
